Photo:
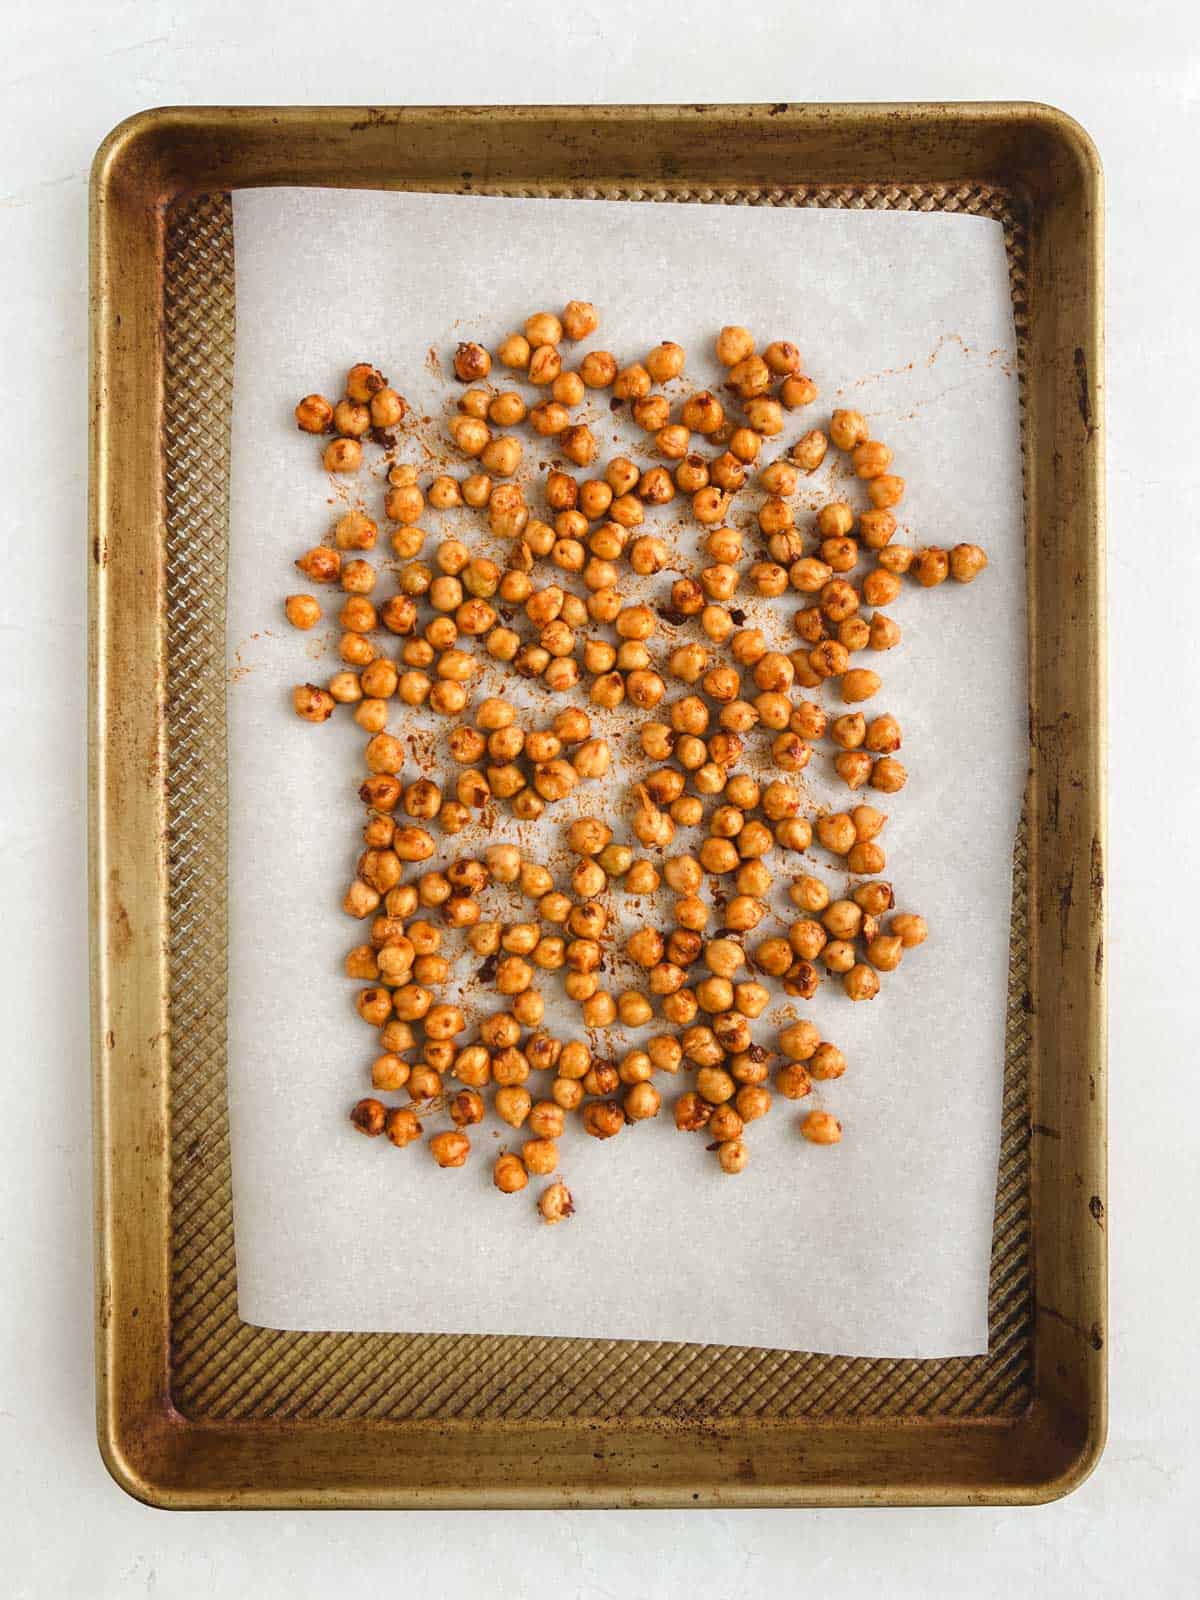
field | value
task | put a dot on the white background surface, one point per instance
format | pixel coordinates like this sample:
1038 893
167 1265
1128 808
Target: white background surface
70 71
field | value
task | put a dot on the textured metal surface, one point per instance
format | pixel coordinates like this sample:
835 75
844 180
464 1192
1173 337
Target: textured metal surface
223 1368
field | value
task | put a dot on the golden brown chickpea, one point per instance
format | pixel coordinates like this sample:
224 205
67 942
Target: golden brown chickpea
868 822
910 929
885 491
692 1113
598 369
860 684
603 1119
897 558
765 416
967 561
870 459
861 982
883 736
540 1156
544 365
641 1102
665 361
853 767
342 455
673 441
752 1101
314 414
544 328
724 1123
556 1204
733 1156
836 833
702 413
509 1174
710 506
931 567
750 377
512 1104
351 419
734 344
469 434
580 320
566 1093
312 704
568 389
809 576
651 413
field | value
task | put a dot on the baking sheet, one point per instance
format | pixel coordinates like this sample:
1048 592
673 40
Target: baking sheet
879 1247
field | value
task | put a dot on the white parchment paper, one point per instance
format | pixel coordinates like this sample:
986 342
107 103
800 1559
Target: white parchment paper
879 1247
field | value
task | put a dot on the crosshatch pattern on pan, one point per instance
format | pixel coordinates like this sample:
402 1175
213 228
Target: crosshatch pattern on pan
228 1369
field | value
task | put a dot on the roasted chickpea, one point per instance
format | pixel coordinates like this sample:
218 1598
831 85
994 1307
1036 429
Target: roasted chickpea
967 561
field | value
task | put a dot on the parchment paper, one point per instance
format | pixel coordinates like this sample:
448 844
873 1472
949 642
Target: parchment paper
879 1247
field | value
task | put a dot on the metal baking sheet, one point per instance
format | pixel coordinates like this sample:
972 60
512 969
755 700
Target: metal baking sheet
197 1408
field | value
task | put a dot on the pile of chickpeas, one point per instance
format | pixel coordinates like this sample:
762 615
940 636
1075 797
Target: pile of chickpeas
696 683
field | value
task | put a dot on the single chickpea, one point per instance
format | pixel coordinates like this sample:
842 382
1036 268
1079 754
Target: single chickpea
967 561
724 1123
910 929
550 418
897 558
883 735
513 352
631 383
765 416
691 913
702 413
652 412
713 1083
603 1119
931 567
578 444
673 441
509 1174
470 434
568 389
544 328
870 459
556 1204
860 683
342 456
540 1156
836 833
838 955
566 1093
513 1104
752 1101
679 1007
853 767
471 362
885 491
821 1127
502 456
598 369
884 952
691 473
861 982
692 1113
579 319
641 1101
734 344
809 576
314 414
665 361
727 472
